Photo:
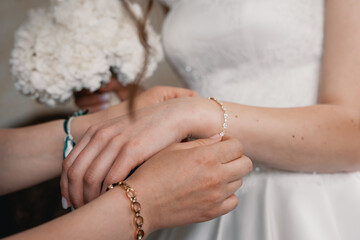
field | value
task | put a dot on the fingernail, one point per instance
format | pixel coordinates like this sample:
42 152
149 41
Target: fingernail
64 203
104 106
105 97
216 136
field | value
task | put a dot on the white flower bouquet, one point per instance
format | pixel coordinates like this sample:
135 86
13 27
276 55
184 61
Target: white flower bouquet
77 44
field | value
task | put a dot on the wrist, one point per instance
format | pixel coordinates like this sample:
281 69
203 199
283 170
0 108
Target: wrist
119 216
143 195
79 125
206 118
130 208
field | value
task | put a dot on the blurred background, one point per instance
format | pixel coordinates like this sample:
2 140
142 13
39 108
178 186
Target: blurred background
31 207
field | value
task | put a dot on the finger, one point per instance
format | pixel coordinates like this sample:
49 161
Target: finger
137 149
197 143
133 153
126 161
226 150
228 205
237 168
68 162
83 161
232 187
91 99
99 168
65 199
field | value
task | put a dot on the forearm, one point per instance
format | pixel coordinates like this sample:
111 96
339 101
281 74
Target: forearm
31 155
323 138
107 217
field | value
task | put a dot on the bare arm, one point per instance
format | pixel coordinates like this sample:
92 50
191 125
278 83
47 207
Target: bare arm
110 216
31 155
325 137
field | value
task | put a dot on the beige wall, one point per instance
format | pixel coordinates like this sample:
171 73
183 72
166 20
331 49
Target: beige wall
16 109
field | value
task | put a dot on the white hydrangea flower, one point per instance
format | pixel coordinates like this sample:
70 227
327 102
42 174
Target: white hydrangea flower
73 44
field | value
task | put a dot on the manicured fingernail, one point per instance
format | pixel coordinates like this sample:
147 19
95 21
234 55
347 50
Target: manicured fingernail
105 97
64 203
104 106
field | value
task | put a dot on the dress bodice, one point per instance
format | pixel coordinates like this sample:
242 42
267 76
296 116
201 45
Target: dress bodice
254 52
263 53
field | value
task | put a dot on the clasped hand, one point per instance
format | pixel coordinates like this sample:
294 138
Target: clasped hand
110 150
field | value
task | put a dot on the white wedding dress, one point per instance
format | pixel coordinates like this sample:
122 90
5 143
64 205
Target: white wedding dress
262 53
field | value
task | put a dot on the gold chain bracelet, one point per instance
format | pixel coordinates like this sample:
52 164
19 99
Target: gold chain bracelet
135 206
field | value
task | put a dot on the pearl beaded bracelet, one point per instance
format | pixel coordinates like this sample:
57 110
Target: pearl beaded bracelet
226 115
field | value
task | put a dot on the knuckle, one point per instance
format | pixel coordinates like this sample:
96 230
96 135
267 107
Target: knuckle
130 148
210 214
116 141
90 178
213 181
102 134
215 196
91 130
72 174
126 150
66 164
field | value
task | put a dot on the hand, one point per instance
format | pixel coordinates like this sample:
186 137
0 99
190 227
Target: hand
190 182
100 100
161 94
152 96
110 150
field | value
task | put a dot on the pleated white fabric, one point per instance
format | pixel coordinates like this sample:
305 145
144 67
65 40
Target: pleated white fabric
284 206
262 53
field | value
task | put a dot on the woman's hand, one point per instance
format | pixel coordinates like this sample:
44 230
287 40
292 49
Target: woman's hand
190 182
100 100
185 183
109 151
152 96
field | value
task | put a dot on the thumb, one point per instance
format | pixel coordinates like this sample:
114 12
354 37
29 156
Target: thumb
199 142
